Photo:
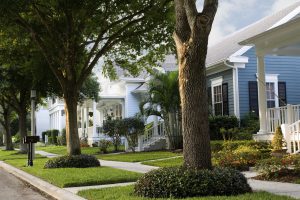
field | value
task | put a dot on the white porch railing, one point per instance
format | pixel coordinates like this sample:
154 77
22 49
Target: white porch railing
293 137
283 115
151 135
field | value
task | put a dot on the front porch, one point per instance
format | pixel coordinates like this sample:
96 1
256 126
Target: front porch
281 40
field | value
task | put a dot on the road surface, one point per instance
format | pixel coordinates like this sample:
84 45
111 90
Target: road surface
12 188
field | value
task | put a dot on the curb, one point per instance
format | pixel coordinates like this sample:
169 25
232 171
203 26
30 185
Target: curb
54 191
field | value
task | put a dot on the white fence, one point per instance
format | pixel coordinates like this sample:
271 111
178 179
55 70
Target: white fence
293 137
151 135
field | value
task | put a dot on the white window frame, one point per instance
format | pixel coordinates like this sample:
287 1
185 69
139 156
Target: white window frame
214 83
273 78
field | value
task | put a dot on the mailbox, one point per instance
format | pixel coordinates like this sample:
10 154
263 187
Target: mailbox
31 139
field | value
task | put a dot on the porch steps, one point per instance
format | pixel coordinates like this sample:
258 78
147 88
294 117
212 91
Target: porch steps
158 144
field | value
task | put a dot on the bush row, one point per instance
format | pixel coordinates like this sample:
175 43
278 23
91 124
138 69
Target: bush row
52 136
76 161
179 182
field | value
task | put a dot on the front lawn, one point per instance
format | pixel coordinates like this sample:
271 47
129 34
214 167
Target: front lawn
70 177
126 193
170 162
138 156
62 150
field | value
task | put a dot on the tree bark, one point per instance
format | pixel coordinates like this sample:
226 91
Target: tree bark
22 128
6 122
73 142
191 38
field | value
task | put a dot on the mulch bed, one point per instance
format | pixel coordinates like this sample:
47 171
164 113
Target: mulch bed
287 175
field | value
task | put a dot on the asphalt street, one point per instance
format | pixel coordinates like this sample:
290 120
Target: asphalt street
12 188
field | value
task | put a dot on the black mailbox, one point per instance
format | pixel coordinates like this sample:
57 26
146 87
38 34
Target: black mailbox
31 139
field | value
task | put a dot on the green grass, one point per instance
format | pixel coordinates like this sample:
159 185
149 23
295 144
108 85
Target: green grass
137 156
126 193
62 150
10 155
69 177
165 163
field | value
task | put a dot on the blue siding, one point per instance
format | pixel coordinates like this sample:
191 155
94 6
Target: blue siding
227 78
287 68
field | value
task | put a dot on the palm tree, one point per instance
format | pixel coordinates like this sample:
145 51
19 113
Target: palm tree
163 100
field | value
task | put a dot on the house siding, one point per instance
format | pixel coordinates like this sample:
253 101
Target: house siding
227 78
287 68
132 101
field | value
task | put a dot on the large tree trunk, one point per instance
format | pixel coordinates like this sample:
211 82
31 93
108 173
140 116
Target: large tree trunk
191 38
73 143
8 138
22 129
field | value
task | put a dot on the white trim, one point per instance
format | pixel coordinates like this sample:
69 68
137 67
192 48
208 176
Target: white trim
287 18
215 82
273 78
241 51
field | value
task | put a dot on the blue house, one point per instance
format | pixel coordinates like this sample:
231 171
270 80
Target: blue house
257 69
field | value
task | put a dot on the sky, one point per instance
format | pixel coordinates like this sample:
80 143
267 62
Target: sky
233 15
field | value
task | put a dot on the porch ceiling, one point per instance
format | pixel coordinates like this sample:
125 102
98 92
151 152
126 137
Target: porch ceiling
283 40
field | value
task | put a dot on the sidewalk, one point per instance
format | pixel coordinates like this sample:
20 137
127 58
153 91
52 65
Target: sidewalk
287 189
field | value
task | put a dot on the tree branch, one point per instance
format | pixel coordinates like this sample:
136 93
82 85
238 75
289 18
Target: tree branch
191 12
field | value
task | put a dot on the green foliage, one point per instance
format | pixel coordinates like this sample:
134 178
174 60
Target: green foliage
133 128
114 128
104 145
224 123
126 193
76 161
250 123
52 136
62 140
243 136
90 89
241 158
16 138
269 168
277 141
178 182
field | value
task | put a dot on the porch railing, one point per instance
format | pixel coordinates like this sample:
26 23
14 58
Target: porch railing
293 137
151 135
283 115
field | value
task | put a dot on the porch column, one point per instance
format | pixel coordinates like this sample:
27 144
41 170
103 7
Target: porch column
94 120
87 120
262 100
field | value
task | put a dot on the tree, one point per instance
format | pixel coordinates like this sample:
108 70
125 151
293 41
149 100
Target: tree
74 35
114 128
5 121
191 37
163 93
134 127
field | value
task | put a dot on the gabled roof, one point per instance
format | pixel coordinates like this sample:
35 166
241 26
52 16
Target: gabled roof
224 49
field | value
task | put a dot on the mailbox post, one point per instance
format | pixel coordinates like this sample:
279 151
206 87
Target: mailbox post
30 140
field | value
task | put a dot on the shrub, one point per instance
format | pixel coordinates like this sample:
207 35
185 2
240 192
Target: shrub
271 167
277 140
114 128
76 161
134 127
250 123
179 182
43 135
103 145
243 136
218 122
84 142
62 140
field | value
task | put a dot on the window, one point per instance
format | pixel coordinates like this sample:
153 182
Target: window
218 103
270 90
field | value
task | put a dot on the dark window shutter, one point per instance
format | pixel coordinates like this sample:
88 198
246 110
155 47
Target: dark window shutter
209 97
225 99
282 93
253 97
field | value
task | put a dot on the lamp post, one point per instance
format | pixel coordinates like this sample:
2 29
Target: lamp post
33 133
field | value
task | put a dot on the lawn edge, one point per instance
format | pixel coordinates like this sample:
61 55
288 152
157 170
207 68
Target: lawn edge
44 186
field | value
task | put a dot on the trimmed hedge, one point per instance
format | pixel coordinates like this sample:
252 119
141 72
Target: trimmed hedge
77 161
218 122
179 182
219 145
52 136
